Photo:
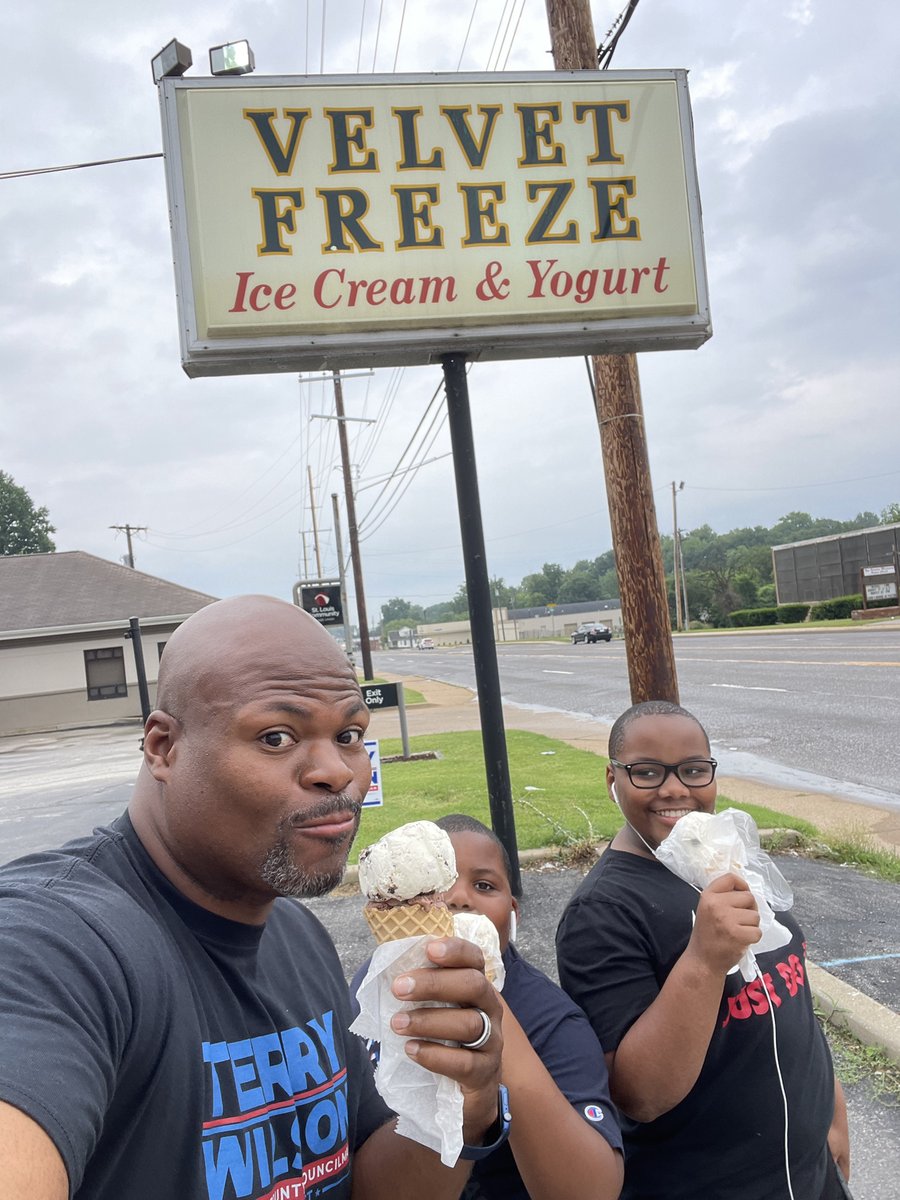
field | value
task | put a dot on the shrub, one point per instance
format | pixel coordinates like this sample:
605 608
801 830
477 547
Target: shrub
790 614
754 616
837 609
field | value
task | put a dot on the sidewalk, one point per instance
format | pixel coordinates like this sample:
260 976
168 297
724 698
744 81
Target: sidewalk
451 709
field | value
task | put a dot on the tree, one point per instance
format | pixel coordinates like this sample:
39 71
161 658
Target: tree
398 609
24 529
890 514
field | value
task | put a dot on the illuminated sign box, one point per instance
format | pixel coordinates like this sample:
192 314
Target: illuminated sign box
325 222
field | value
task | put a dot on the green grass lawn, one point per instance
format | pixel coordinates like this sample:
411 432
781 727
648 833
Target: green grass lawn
548 777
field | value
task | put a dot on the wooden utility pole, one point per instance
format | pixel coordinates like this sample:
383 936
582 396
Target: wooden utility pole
339 543
128 530
365 647
617 396
315 523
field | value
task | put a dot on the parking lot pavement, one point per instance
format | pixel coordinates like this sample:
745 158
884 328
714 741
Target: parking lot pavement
57 786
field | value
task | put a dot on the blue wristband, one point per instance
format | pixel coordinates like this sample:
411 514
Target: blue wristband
499 1130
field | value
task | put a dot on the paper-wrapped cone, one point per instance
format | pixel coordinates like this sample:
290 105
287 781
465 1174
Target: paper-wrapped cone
408 920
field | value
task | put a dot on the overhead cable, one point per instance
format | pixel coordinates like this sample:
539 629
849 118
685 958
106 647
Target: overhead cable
100 162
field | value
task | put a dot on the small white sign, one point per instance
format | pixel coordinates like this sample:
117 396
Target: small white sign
375 798
881 591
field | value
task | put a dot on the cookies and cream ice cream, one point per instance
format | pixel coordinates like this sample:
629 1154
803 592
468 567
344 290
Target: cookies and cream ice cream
404 876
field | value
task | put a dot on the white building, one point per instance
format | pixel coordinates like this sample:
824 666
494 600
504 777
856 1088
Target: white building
530 624
64 657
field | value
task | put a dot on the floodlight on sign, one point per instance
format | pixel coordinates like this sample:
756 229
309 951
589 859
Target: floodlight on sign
234 58
173 59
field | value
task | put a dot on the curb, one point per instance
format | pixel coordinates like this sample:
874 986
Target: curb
848 1008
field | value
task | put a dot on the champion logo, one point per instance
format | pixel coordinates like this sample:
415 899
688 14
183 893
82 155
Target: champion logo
593 1112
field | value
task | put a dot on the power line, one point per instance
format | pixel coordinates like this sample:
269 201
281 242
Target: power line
790 487
468 31
605 51
437 424
506 5
377 35
513 35
80 166
370 515
399 35
362 26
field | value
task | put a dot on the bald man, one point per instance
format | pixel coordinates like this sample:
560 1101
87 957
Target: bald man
173 1024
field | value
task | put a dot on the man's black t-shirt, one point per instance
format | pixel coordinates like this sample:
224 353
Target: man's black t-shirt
167 1051
620 936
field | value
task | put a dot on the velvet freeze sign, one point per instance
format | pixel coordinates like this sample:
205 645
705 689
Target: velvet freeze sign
499 216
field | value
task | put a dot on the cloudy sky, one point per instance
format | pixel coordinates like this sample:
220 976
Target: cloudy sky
790 405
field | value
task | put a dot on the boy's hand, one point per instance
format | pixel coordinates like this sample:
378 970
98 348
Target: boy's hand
727 923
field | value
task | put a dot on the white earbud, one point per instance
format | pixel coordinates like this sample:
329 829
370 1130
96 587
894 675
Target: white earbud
512 926
612 792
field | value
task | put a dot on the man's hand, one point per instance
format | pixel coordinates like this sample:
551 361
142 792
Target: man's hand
461 983
727 923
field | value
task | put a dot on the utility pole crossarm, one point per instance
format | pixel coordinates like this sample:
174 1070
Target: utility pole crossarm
128 530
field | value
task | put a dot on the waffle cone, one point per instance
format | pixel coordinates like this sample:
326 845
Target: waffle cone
408 920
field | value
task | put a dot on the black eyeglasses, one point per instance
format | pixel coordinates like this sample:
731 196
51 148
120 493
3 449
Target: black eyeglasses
693 772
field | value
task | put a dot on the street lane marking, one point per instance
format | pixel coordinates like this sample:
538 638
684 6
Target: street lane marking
796 662
742 687
845 962
547 671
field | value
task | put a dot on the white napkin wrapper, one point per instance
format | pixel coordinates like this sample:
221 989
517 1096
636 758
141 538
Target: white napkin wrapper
429 1107
704 846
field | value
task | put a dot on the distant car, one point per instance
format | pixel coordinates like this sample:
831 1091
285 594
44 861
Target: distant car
426 644
591 631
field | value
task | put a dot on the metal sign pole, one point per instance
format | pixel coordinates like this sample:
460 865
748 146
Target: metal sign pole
134 633
401 713
478 590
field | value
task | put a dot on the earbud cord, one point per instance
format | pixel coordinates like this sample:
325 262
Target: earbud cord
759 974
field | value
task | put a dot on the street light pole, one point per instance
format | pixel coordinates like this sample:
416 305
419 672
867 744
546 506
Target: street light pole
676 556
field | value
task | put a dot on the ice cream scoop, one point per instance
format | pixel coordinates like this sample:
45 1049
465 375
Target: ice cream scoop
404 876
413 860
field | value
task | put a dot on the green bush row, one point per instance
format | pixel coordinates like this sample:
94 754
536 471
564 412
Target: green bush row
789 614
784 614
837 609
754 616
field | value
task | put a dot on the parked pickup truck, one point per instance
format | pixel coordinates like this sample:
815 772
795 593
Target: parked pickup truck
591 631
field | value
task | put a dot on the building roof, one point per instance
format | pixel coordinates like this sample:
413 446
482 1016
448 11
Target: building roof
72 588
839 537
575 609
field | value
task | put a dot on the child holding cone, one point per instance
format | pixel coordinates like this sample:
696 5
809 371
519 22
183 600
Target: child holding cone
553 1064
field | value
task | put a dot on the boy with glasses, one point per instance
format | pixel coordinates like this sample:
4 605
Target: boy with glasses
725 1088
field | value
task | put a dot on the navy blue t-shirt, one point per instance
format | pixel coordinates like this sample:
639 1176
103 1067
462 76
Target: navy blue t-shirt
169 1052
562 1038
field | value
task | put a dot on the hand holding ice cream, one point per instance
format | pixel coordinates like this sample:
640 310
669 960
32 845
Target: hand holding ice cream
435 1012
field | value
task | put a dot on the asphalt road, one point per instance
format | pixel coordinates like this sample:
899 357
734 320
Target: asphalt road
846 918
814 710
